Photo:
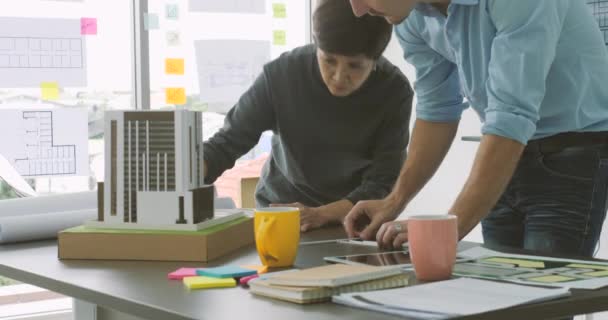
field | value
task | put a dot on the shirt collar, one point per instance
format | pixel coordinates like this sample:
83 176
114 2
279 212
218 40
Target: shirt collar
428 10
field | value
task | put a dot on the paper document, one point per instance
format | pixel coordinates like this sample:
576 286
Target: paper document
231 6
42 217
37 50
224 72
14 180
451 298
534 270
45 141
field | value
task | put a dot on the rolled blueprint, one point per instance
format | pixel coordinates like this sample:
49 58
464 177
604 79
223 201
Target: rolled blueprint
48 204
35 218
41 226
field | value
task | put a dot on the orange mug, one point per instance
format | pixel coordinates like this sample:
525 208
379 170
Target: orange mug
432 242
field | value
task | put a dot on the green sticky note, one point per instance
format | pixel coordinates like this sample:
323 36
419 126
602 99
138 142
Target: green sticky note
171 11
208 282
279 10
279 37
151 21
49 90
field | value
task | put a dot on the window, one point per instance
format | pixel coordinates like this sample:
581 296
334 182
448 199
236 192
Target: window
213 51
67 57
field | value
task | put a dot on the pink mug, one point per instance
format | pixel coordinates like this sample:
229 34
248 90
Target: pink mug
432 241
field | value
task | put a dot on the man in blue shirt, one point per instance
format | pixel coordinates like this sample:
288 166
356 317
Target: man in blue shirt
536 72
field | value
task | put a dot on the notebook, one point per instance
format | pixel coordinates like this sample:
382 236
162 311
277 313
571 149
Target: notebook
208 282
305 295
334 275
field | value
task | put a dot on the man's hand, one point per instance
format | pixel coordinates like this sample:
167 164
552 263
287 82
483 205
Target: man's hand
366 217
392 234
310 218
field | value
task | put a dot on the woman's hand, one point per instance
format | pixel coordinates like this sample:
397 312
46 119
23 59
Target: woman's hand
310 218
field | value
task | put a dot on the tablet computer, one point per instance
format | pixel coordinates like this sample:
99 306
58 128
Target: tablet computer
391 258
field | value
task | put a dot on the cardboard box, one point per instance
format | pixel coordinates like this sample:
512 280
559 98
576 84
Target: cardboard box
112 244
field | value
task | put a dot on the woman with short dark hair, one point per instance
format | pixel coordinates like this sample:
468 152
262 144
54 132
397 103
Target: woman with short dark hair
337 138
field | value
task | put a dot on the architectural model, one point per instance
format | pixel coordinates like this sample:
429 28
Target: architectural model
153 172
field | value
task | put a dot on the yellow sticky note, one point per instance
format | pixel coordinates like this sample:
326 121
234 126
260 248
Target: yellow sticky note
597 274
518 262
279 37
279 10
588 266
50 90
174 66
551 279
175 95
208 282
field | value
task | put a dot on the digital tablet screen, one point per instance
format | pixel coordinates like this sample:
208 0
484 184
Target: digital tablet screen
378 259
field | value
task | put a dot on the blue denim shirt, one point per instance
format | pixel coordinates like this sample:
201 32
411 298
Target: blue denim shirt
530 68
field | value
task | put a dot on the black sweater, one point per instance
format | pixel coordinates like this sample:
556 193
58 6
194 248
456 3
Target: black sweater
324 148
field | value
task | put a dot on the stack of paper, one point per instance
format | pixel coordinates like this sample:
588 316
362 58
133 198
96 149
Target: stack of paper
447 299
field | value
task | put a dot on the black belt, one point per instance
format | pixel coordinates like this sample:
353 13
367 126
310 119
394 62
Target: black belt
565 140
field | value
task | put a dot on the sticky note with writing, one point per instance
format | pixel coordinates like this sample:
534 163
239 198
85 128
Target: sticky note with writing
279 10
174 66
279 37
171 11
175 95
49 90
173 38
88 26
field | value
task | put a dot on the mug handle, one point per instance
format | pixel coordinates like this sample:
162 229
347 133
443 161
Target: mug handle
261 238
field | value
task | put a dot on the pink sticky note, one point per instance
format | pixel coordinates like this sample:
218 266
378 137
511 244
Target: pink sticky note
181 273
244 281
88 25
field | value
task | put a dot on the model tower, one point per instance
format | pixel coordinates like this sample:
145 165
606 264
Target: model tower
153 171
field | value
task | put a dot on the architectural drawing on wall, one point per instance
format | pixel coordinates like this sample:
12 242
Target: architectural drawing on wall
46 142
224 72
153 172
600 11
232 6
35 50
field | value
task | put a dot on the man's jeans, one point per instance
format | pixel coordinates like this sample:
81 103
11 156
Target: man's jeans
555 202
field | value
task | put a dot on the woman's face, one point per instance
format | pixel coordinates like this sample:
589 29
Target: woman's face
343 75
394 11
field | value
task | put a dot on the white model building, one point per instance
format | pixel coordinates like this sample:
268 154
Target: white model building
153 172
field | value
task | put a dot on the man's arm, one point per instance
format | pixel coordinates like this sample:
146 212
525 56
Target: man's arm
494 164
430 143
527 35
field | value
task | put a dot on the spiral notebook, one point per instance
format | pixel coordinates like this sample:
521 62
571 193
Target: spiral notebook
334 275
306 295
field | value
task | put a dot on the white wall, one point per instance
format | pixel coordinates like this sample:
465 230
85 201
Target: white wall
445 185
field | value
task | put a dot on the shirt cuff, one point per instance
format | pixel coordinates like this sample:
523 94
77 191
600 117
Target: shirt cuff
449 113
509 125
